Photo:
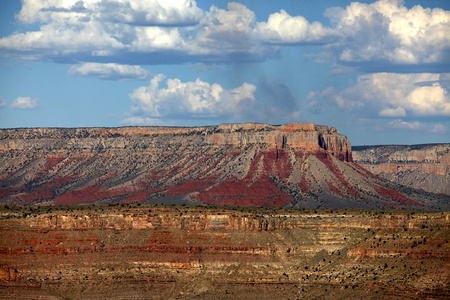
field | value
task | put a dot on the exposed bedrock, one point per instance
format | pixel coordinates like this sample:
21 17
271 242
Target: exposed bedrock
300 164
135 251
306 136
425 167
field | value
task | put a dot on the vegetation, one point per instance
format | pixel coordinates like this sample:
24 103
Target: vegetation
182 251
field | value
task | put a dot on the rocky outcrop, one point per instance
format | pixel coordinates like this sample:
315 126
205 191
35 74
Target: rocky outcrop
146 251
307 136
199 220
299 164
425 167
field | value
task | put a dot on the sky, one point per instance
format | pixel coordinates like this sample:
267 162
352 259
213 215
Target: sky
378 71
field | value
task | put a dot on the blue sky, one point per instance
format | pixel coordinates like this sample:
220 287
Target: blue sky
378 71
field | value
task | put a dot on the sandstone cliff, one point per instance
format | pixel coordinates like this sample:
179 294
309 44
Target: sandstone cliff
300 164
307 136
425 167
185 252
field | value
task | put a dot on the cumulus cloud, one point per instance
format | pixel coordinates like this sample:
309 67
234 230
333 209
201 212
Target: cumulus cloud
393 112
388 33
391 95
110 71
62 42
24 103
134 32
229 34
281 28
102 31
138 12
188 100
382 36
171 99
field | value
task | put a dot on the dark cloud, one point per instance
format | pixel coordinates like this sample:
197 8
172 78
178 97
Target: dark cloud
278 94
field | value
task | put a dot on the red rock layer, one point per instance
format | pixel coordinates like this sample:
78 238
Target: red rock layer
141 251
231 164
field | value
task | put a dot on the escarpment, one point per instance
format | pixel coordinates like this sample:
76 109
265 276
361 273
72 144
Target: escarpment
299 164
425 167
307 136
131 251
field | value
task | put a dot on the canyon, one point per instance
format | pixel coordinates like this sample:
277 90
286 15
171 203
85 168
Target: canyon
144 251
236 211
292 165
425 167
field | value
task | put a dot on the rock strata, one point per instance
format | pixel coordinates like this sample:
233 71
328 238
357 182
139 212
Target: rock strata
300 164
425 167
144 251
307 136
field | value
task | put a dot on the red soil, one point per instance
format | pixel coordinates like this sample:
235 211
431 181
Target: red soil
53 161
247 193
396 196
190 186
35 197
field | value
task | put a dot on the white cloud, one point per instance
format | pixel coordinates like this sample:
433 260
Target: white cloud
102 31
391 95
24 103
188 100
152 39
386 31
393 112
55 41
140 12
162 12
43 11
113 31
167 99
228 27
378 37
281 28
110 71
401 125
230 34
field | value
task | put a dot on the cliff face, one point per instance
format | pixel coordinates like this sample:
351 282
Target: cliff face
131 251
300 164
425 167
305 136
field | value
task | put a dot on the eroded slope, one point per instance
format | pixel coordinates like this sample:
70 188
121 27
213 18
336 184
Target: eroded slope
232 164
